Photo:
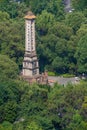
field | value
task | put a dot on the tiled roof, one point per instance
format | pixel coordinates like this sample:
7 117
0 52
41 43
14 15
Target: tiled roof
30 15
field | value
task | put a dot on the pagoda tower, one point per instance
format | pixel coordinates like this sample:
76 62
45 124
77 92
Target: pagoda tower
30 62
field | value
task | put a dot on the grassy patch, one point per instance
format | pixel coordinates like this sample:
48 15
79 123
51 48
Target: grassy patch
68 75
51 73
63 75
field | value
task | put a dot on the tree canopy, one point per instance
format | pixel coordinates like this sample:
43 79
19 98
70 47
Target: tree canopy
61 43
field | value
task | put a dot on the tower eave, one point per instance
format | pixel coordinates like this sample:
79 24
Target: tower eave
30 17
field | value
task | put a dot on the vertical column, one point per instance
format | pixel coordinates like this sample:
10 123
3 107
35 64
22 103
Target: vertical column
28 36
30 63
33 35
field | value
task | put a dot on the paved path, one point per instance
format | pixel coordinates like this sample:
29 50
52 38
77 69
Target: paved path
67 4
61 80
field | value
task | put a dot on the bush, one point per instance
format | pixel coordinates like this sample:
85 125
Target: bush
51 73
68 75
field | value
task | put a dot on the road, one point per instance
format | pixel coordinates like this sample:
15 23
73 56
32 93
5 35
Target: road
62 80
67 4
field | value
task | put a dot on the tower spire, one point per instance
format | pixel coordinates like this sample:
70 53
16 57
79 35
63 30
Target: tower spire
30 62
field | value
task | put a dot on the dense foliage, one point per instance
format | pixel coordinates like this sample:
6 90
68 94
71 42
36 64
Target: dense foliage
39 107
57 33
61 47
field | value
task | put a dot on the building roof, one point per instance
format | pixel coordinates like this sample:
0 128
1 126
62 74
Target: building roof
30 15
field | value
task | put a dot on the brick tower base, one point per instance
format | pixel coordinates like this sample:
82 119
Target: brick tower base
40 79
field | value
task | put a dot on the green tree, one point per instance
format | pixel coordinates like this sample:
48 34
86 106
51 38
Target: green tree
65 106
44 22
18 126
4 16
74 20
12 44
10 111
9 91
82 31
79 4
33 126
56 8
8 68
6 126
84 108
59 65
81 55
37 6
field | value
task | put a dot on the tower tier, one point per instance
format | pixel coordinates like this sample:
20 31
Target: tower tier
30 62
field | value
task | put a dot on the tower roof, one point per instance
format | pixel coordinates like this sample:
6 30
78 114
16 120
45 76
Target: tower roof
30 15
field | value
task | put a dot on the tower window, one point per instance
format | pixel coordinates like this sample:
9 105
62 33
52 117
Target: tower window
32 48
34 72
34 64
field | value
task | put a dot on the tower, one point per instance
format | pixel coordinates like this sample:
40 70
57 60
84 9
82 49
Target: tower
30 62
